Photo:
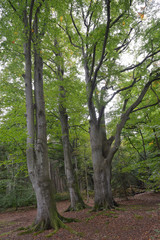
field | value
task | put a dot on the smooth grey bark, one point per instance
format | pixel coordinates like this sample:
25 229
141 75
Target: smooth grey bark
86 176
94 57
102 168
37 153
103 149
72 183
42 182
75 197
76 201
29 99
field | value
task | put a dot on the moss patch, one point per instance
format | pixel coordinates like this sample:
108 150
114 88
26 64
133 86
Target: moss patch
5 233
138 216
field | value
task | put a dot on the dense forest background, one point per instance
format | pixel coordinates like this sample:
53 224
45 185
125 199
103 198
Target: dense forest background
124 65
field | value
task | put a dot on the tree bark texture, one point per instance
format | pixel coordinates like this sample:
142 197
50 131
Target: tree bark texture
102 170
37 152
75 196
74 192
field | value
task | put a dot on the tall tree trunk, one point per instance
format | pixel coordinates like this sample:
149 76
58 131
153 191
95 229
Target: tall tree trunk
102 169
37 153
42 181
75 196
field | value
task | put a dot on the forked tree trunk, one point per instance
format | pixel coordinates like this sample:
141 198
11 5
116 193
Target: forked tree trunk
42 180
102 170
37 153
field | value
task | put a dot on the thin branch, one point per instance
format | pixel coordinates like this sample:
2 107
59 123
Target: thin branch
117 19
140 63
143 143
125 104
88 11
31 13
123 89
13 6
104 42
75 26
69 36
118 91
155 94
80 127
103 50
84 18
125 43
147 106
136 149
49 67
125 116
142 94
53 114
93 59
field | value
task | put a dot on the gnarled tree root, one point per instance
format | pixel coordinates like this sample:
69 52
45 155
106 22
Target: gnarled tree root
55 223
103 207
78 207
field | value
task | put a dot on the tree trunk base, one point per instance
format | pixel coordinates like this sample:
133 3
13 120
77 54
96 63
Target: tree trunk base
77 207
105 206
41 226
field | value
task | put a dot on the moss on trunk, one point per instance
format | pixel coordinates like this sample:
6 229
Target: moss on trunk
52 222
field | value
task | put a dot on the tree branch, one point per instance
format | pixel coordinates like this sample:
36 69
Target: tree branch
140 63
136 149
104 43
125 116
123 89
74 24
49 67
15 10
80 127
117 19
69 36
93 60
147 106
12 6
93 85
155 94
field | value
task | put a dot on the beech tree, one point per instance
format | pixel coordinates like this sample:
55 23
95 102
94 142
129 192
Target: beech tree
59 66
27 14
103 31
59 71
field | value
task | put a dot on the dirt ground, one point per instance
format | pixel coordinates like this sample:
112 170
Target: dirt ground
136 219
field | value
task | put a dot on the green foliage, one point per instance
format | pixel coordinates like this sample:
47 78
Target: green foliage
137 162
62 196
16 193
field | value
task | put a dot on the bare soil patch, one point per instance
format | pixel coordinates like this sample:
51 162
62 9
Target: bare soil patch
136 219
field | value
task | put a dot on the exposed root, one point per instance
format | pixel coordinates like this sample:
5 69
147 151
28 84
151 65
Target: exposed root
55 223
103 207
67 220
26 230
78 207
65 227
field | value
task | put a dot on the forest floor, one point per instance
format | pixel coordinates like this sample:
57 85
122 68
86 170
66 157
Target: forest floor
135 219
